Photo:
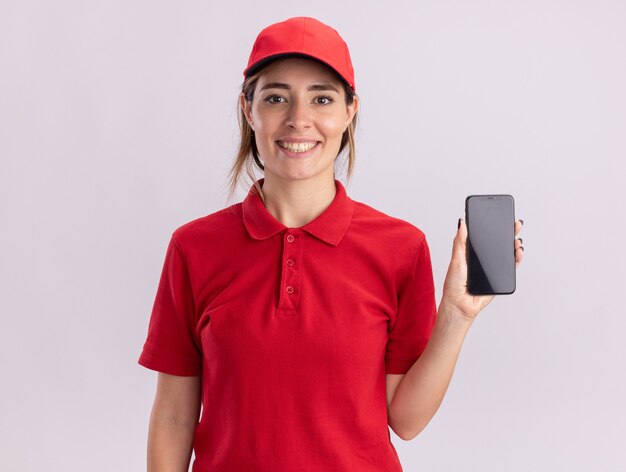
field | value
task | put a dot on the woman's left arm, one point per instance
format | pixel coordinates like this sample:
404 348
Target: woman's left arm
420 392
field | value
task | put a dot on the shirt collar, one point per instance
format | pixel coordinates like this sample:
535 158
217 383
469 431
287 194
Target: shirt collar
330 226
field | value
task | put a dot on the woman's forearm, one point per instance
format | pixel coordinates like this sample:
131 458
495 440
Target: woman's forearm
173 420
169 443
423 387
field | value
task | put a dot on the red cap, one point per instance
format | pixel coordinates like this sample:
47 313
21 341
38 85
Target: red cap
302 36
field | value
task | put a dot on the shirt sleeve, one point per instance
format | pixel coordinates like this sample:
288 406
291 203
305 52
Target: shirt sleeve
171 346
415 317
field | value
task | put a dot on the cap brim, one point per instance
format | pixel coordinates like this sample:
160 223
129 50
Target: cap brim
268 60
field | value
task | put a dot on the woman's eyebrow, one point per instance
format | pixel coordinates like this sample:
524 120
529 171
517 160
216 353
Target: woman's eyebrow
316 87
275 85
323 87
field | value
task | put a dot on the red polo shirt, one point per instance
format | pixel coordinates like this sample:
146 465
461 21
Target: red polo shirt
293 331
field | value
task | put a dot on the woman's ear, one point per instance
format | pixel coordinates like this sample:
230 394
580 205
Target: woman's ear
352 109
246 108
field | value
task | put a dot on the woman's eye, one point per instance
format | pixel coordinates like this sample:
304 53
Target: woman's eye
324 100
274 99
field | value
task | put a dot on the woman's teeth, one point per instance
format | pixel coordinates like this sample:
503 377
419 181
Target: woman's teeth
297 147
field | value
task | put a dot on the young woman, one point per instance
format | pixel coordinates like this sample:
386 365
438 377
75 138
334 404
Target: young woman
301 321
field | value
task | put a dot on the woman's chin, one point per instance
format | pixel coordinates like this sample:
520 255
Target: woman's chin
291 172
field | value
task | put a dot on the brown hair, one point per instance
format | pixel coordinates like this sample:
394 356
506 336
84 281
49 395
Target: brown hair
248 155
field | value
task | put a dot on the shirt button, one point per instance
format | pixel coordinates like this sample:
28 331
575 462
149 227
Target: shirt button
289 289
290 238
289 262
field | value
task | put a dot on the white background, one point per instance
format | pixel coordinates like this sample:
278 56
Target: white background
118 124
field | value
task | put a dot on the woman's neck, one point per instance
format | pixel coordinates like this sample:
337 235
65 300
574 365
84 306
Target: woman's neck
297 202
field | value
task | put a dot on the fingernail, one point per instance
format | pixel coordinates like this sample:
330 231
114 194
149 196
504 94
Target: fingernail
459 224
521 221
520 240
522 248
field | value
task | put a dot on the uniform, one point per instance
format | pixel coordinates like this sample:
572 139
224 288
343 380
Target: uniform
293 331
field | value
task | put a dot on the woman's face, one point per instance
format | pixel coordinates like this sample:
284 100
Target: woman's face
298 114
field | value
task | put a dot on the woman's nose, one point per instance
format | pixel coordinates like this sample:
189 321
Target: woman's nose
299 115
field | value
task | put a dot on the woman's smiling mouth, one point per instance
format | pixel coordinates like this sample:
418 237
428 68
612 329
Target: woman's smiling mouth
297 147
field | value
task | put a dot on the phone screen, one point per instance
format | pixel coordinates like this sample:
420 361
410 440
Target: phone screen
490 244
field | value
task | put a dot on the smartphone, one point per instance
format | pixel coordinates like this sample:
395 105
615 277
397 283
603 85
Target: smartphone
490 223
